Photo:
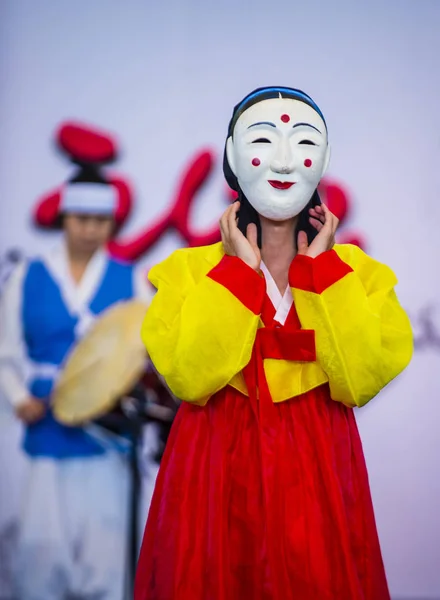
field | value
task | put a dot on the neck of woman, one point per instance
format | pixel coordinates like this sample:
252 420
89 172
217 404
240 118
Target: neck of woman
78 261
278 248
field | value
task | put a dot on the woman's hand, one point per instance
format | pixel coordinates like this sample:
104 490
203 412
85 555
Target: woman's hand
30 410
235 243
326 224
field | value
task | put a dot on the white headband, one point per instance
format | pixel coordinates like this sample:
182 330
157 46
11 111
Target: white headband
89 198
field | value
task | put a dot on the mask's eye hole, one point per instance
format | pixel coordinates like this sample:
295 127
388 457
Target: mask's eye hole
308 142
261 141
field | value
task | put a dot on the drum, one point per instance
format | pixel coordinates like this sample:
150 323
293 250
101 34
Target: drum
103 367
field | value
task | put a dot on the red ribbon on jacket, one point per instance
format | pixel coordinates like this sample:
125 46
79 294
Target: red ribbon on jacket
274 341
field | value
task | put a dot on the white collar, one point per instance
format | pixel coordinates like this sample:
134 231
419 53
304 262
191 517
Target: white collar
77 296
282 304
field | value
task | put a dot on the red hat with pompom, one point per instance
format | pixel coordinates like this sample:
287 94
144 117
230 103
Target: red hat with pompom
90 190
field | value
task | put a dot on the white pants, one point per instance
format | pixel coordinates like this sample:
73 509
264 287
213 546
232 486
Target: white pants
149 471
74 527
13 469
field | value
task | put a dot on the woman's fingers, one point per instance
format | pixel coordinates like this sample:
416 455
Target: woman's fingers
252 236
225 220
232 218
316 223
302 243
224 223
330 219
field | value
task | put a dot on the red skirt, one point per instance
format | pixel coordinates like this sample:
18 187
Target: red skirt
269 504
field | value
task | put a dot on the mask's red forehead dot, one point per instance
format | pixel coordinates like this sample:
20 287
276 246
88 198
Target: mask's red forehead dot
307 162
256 162
285 118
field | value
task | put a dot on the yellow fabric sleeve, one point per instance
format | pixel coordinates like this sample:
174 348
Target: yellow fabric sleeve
363 335
198 333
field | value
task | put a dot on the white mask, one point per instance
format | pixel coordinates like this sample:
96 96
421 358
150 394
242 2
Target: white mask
278 153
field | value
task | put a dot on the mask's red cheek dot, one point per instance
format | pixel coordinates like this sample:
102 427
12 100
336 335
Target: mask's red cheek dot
307 162
256 162
285 118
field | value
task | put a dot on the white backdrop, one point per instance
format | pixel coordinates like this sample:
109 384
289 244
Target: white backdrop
164 76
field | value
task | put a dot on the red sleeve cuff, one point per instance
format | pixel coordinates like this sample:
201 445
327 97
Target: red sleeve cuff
242 281
317 274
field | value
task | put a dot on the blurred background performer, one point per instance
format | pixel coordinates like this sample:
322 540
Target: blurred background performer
74 525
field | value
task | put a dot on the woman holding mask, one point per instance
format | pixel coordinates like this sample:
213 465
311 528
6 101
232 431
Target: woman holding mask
271 338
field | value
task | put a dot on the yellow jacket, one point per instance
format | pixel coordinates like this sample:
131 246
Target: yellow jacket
202 323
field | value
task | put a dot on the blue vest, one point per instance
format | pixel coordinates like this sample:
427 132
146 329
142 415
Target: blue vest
49 334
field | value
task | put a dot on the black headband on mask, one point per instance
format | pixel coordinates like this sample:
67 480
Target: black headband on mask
248 214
